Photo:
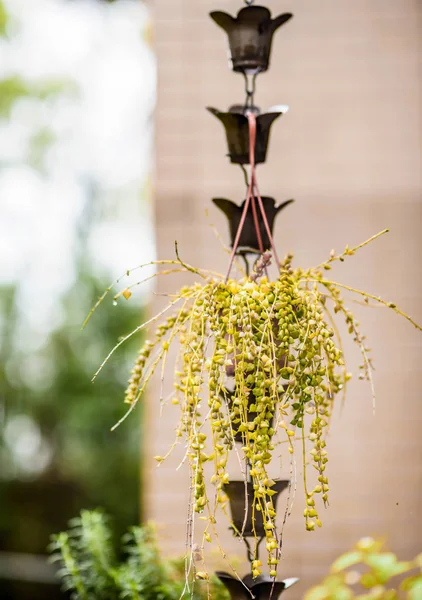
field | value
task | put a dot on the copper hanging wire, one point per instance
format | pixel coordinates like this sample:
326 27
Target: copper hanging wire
255 190
250 199
238 234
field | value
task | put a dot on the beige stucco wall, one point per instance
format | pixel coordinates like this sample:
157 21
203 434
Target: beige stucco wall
349 152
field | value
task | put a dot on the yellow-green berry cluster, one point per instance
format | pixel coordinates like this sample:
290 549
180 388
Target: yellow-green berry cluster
256 358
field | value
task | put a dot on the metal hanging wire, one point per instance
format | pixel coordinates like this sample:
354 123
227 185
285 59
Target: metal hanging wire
252 555
253 197
245 175
250 88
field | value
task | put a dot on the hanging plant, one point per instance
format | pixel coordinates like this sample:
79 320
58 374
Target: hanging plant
259 362
255 358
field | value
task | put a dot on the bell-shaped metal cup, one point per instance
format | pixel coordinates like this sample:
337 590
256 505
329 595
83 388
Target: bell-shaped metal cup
248 241
229 396
236 125
250 37
261 588
253 525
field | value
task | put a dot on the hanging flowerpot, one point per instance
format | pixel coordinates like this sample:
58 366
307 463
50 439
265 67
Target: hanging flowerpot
253 525
236 125
261 588
251 411
250 37
248 241
256 325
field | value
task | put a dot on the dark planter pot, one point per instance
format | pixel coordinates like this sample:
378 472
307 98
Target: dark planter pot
250 37
235 490
248 241
236 125
251 415
261 588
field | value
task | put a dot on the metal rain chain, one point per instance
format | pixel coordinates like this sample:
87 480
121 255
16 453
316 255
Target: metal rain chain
251 225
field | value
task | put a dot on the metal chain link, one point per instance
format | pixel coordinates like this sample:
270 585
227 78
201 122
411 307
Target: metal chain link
249 2
250 88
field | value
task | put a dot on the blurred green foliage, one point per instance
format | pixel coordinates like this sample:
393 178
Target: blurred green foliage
73 416
89 568
3 19
11 89
40 142
368 573
14 87
88 465
47 400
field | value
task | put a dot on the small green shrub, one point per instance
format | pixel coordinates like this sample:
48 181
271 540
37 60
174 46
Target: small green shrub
366 572
89 567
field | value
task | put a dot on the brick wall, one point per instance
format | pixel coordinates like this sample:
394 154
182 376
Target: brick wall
349 152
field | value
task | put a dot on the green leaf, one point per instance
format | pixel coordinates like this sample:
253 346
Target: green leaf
368 544
385 565
369 580
346 560
415 593
317 593
418 560
409 583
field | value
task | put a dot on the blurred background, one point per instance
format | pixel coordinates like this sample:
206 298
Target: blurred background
77 93
79 150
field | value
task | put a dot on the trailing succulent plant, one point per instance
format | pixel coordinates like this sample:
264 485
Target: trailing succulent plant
260 362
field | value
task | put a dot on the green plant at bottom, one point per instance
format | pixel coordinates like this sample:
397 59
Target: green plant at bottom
366 573
90 569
